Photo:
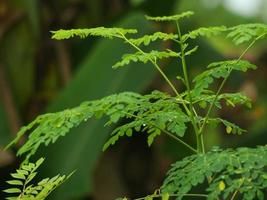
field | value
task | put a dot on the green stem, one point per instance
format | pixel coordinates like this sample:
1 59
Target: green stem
161 72
237 190
175 195
223 83
200 142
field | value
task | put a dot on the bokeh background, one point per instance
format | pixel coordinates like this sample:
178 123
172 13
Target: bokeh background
39 75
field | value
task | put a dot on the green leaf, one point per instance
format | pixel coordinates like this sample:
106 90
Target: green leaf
231 99
219 70
189 52
205 31
229 127
230 169
247 32
15 182
221 185
18 176
171 18
145 57
150 113
95 76
152 136
147 39
12 190
165 196
99 31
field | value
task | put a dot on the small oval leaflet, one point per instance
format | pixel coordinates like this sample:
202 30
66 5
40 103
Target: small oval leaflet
221 185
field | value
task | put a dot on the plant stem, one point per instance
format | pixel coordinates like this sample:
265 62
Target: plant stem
234 195
166 132
200 142
223 83
176 195
180 141
162 74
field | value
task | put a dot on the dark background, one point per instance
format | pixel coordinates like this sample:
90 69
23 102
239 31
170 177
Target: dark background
39 75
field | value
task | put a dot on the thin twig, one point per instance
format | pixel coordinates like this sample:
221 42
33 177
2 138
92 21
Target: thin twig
224 81
166 132
176 195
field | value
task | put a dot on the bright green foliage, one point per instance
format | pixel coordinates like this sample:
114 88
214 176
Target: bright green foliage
150 113
246 32
242 170
171 18
205 31
231 99
99 31
220 69
230 127
145 57
147 39
227 172
21 187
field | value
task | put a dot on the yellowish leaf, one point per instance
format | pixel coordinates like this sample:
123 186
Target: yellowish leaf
229 129
221 185
165 196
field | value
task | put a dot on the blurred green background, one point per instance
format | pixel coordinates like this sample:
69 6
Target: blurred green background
39 75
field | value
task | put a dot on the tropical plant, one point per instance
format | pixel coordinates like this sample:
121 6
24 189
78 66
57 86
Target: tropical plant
223 173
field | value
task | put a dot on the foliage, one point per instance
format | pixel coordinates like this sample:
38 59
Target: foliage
231 99
227 172
170 18
99 31
246 32
21 186
149 110
203 31
147 39
220 69
145 57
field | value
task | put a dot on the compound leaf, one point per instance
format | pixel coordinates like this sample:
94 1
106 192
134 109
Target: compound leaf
145 57
247 32
205 31
147 39
99 31
241 169
171 18
219 70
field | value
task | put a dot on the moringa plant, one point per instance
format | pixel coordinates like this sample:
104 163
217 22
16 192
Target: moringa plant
223 173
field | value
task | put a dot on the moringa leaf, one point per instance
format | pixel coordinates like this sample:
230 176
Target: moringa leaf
171 18
205 31
99 31
246 32
234 167
145 57
147 39
219 70
26 190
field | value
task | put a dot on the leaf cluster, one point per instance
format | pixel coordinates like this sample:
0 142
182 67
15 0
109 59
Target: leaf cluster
22 188
99 31
143 57
242 170
221 69
151 113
